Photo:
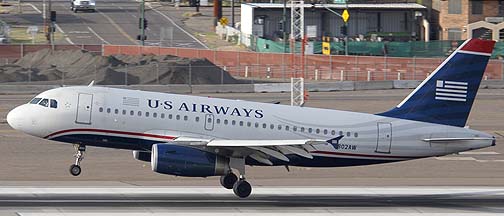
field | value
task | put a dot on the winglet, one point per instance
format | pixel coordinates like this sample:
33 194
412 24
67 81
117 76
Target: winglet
337 139
91 84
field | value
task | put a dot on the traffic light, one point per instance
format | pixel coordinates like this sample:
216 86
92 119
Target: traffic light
145 22
344 30
139 37
53 16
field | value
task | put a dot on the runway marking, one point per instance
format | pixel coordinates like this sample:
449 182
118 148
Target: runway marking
175 24
118 28
98 36
480 153
456 158
66 36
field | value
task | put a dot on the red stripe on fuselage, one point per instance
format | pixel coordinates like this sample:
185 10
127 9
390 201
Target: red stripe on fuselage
363 155
111 132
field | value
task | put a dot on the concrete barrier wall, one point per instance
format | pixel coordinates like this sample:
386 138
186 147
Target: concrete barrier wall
252 88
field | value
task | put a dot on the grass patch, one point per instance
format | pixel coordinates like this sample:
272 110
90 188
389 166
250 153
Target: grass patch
19 35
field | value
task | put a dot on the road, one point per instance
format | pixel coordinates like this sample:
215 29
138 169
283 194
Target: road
115 22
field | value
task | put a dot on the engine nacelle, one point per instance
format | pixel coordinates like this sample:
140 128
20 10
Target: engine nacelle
186 161
142 156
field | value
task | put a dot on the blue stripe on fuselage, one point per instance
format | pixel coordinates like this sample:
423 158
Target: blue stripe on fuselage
146 145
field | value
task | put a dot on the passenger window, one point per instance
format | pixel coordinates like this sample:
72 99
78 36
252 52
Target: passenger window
317 131
100 109
154 115
225 121
162 115
325 131
44 102
348 134
170 116
35 100
209 120
241 123
264 125
272 126
197 119
256 125
233 122
294 128
333 132
249 124
54 103
286 127
139 113
185 118
341 133
108 110
132 112
302 129
178 117
146 114
116 111
124 112
309 130
218 121
279 127
356 135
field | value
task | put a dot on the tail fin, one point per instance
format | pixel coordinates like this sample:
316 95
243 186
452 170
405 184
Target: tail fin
447 95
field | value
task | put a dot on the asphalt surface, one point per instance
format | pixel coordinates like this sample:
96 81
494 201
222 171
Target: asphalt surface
114 22
270 201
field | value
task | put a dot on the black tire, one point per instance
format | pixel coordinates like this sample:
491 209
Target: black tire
242 189
75 170
227 181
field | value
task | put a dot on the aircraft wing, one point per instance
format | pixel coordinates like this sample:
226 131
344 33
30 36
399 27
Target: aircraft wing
261 150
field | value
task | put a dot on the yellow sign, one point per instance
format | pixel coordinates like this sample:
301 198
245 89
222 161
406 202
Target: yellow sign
345 15
224 21
326 46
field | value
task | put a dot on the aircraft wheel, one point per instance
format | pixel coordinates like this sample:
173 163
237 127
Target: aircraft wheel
227 181
242 188
75 170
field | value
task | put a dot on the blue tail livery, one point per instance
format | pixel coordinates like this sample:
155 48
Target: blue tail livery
447 95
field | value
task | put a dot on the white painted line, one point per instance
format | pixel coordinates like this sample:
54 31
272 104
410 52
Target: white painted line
259 212
491 161
480 153
69 41
59 28
35 8
456 158
98 36
175 24
66 37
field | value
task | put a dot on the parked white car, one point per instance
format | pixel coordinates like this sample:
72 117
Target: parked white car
83 5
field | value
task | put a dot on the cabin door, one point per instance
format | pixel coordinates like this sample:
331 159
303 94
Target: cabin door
84 105
384 139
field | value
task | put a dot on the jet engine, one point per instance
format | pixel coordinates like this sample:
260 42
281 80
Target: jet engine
142 156
187 161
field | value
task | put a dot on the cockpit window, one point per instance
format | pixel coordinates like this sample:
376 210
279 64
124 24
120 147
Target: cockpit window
54 103
44 102
35 100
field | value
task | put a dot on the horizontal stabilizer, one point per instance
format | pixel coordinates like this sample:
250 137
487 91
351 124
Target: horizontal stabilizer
457 139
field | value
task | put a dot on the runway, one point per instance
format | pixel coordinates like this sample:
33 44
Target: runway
265 200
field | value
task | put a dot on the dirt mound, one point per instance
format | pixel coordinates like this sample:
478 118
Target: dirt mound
77 67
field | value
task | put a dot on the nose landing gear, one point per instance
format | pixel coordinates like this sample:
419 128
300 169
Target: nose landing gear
75 169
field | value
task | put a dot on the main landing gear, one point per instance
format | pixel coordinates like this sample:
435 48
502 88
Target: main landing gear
240 186
75 169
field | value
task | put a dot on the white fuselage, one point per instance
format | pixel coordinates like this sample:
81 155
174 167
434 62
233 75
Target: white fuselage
131 119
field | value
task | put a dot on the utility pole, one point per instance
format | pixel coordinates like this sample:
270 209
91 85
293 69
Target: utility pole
284 23
232 13
142 23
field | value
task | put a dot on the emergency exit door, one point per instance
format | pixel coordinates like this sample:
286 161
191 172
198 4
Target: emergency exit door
209 122
84 105
384 139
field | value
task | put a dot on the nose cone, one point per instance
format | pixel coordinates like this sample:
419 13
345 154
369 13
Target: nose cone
15 118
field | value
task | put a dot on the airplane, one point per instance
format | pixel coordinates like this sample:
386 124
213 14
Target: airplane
195 136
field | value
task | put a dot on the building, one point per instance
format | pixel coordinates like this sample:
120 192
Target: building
404 21
462 19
